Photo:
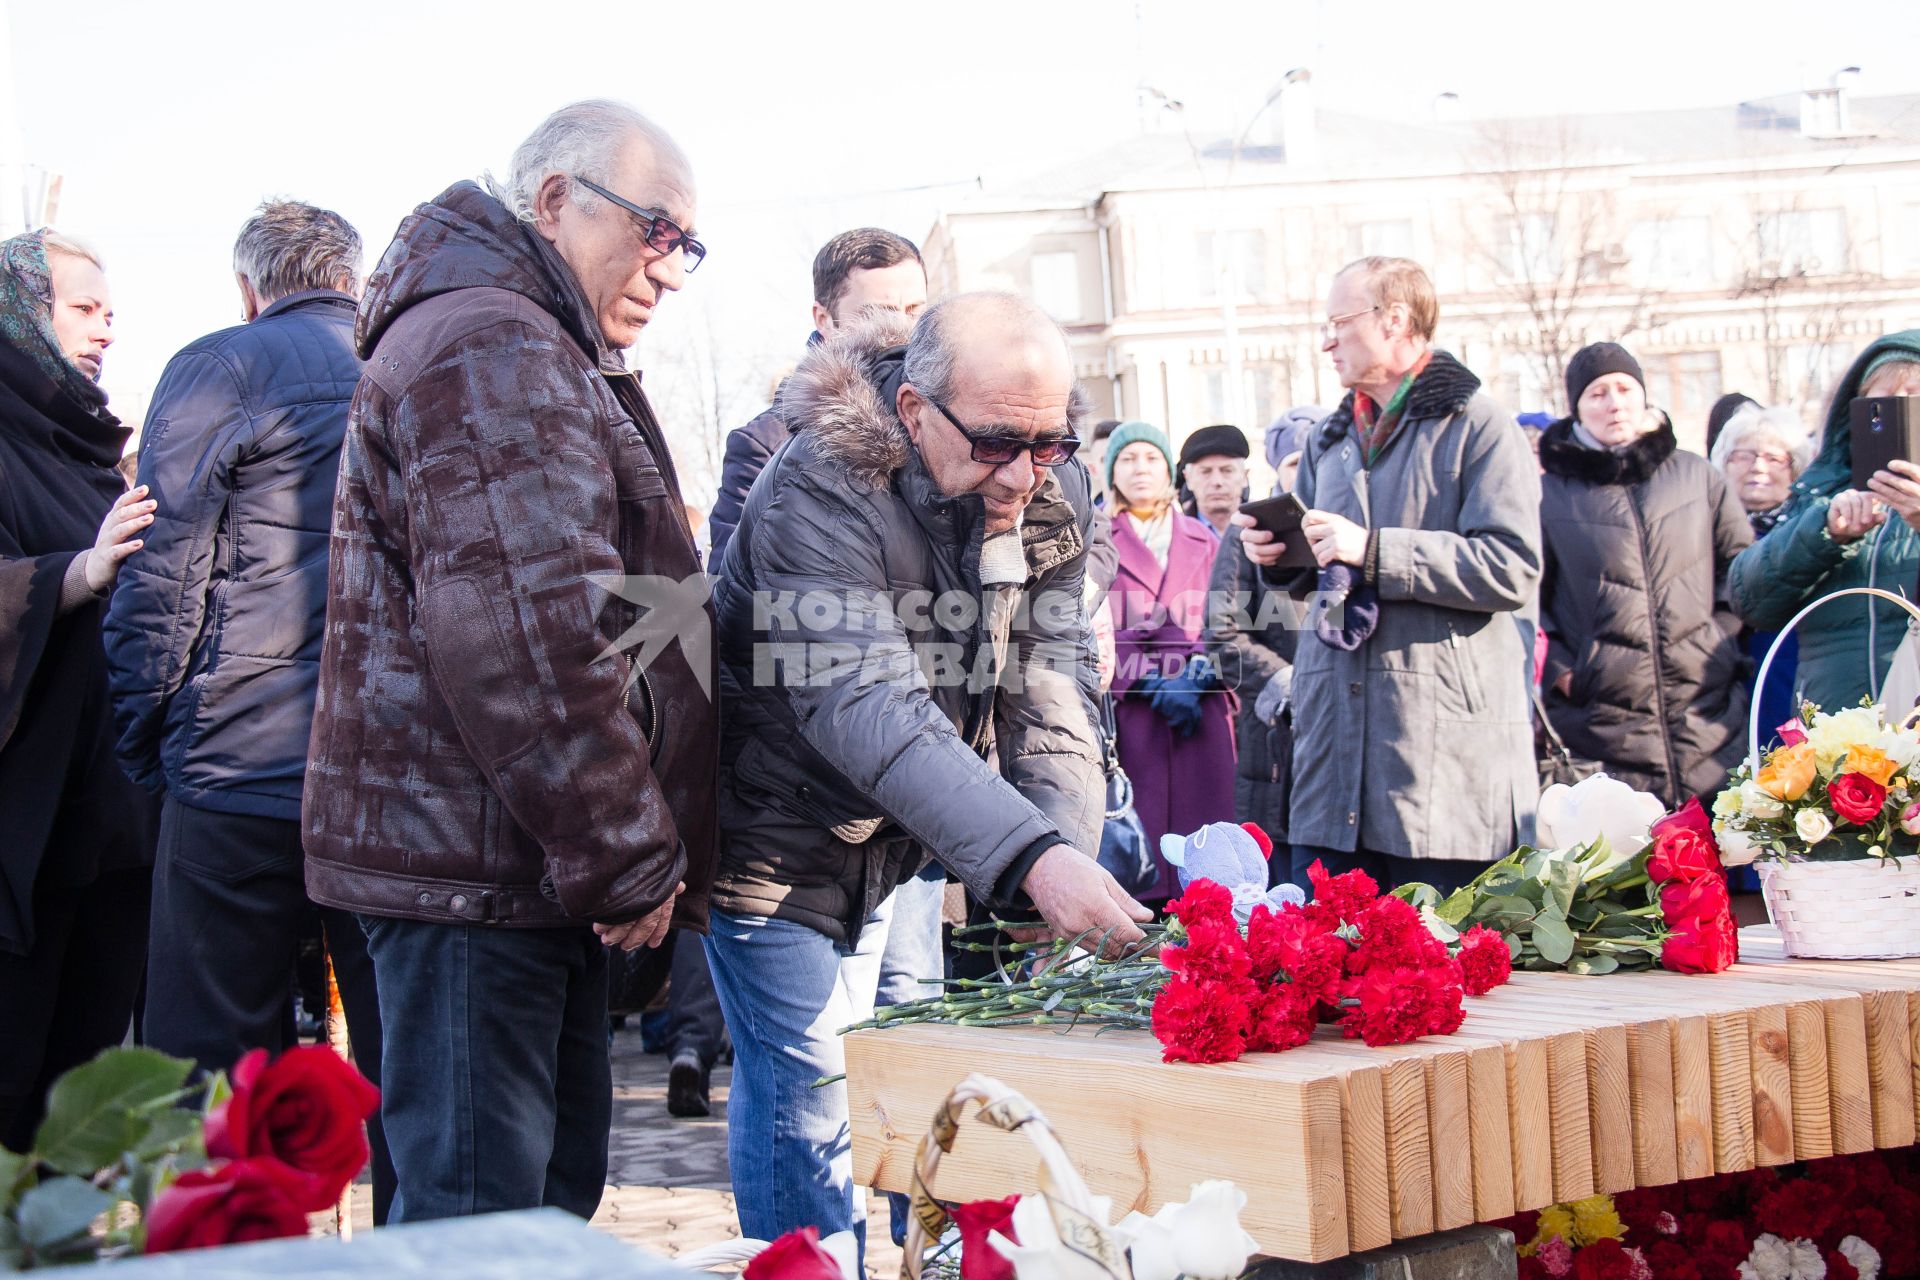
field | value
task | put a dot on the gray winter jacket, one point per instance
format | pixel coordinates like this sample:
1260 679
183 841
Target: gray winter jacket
855 743
1637 548
1419 742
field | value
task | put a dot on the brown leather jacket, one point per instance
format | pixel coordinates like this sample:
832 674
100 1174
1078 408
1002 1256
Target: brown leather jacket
483 750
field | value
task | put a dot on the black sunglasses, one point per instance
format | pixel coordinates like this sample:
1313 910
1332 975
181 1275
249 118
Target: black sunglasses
1000 449
662 235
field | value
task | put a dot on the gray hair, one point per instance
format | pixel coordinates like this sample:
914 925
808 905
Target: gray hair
288 247
583 138
931 358
1779 421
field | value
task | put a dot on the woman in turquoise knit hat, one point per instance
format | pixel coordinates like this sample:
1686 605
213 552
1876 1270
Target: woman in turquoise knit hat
1831 537
1175 724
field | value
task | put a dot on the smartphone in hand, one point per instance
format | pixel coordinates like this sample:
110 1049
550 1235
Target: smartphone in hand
1281 516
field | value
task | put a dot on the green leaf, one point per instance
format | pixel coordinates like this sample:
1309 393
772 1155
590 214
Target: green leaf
1053 1002
57 1211
167 1132
1593 965
1437 927
219 1089
92 1113
1552 939
13 1171
1457 907
1563 882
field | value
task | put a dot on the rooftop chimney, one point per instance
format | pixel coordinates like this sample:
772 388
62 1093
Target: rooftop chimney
1297 127
1825 112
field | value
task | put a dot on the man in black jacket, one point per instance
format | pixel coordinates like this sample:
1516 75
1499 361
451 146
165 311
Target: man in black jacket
214 635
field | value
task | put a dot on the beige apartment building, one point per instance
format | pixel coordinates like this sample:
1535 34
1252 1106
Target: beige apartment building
1753 247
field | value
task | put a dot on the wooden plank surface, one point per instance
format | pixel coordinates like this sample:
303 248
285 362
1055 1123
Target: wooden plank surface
1556 1086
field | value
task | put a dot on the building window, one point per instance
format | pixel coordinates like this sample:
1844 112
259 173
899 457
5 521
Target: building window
1685 384
1525 248
1671 251
1056 285
1389 239
1213 395
1802 242
1246 263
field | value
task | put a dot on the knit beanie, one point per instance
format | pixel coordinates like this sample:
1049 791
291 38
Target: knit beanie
1214 442
1131 433
1892 356
1594 362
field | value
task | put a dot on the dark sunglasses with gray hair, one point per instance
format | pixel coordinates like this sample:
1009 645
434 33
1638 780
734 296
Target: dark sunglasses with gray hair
660 232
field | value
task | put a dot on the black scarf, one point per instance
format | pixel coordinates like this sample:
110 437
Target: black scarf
66 811
1562 454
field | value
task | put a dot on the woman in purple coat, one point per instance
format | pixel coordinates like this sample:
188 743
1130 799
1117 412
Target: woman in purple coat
1175 722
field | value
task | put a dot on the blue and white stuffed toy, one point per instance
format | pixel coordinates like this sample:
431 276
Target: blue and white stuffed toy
1234 856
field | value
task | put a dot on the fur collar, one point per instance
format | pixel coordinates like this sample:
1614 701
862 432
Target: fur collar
1443 388
1561 454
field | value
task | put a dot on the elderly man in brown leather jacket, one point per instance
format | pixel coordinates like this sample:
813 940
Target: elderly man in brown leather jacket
499 780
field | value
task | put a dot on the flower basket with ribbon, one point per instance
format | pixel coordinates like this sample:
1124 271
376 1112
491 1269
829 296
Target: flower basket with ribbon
1830 819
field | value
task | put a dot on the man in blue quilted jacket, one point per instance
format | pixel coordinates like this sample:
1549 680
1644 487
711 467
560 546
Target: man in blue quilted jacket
213 639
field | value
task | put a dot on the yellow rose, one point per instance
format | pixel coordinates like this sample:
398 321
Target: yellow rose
1832 737
1873 763
1788 772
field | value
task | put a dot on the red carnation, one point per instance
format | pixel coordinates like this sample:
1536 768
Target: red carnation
1857 798
1803 1209
978 1259
1201 1021
1294 943
1604 1259
1203 900
1670 1260
1531 1268
797 1255
1343 896
1701 937
228 1203
305 1111
1214 952
1395 1005
1283 1019
1485 960
1393 934
1840 1267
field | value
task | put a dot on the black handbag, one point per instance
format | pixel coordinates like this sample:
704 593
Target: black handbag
1557 765
1124 851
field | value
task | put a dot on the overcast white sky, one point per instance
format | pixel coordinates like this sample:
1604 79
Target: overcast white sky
170 120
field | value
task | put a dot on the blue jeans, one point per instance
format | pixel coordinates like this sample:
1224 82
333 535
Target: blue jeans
787 990
496 1086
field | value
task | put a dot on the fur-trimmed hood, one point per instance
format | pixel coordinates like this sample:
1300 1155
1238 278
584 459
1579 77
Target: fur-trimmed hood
1443 388
834 397
1562 454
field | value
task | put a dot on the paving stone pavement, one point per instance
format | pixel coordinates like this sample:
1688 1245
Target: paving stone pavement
667 1184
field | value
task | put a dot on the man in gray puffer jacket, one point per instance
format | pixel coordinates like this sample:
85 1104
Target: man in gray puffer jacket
901 601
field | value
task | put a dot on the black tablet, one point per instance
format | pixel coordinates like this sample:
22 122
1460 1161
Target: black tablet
1281 516
1884 428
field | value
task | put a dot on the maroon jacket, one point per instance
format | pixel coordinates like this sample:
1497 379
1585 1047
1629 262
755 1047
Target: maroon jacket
483 751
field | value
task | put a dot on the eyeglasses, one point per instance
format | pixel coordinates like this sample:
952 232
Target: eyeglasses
1331 328
1747 457
999 448
661 233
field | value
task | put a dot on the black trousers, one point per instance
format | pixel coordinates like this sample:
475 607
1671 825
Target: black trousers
229 904
72 995
1389 870
694 1022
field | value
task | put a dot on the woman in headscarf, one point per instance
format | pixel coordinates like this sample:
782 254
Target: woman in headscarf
1175 724
1643 667
76 842
1828 536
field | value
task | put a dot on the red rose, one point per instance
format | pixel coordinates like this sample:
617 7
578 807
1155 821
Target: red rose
1201 1021
1701 937
305 1110
1857 798
228 1203
1485 960
1343 896
1682 854
1283 1019
1791 734
1203 900
978 1259
1688 817
796 1255
1214 952
1604 1259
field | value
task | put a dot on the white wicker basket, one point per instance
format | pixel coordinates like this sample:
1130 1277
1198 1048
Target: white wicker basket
1856 909
1860 909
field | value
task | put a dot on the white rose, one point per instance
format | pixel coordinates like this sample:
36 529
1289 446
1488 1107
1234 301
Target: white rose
1737 849
1040 1255
1208 1240
1755 801
1813 825
1834 735
1149 1244
1730 803
1864 1257
1570 817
